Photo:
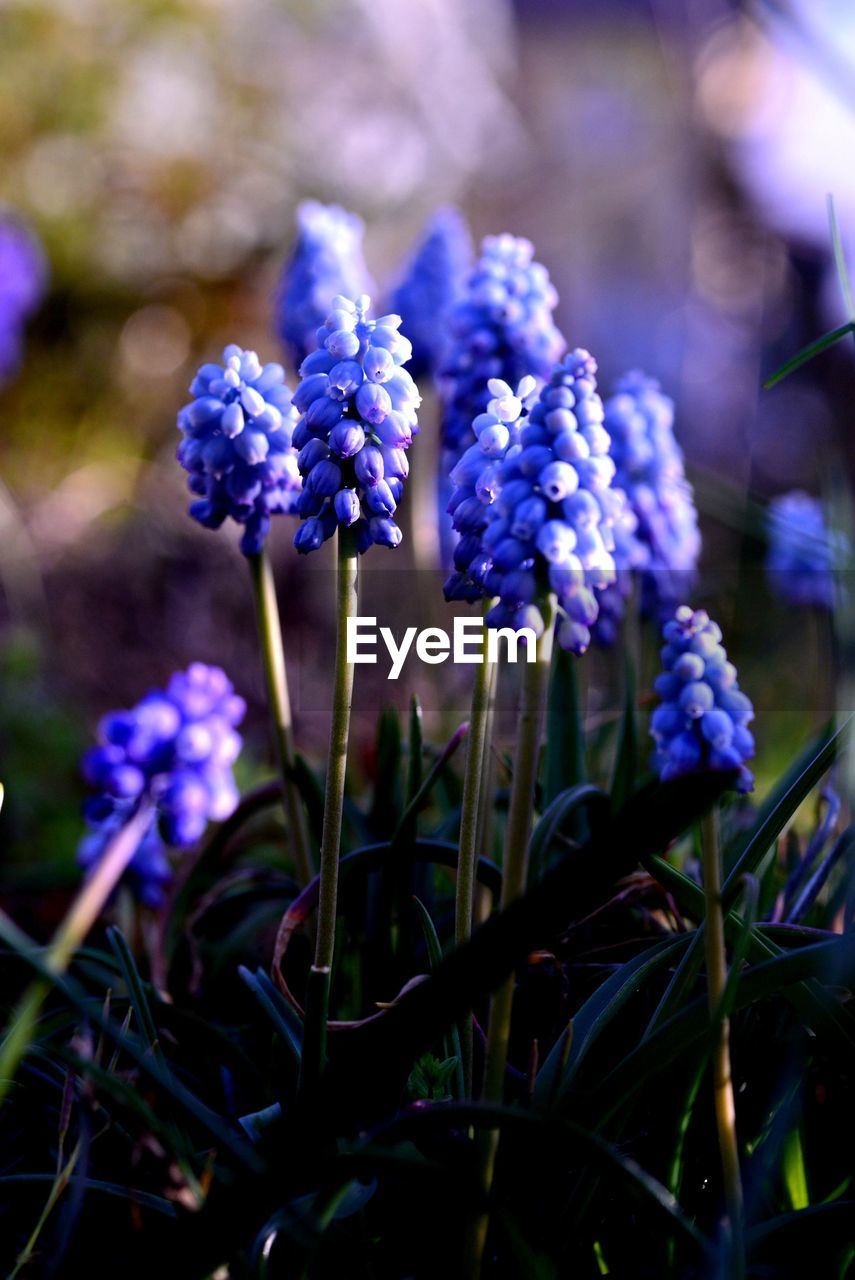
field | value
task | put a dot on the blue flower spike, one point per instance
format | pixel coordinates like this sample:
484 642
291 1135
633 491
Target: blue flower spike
500 327
237 446
702 720
533 504
357 406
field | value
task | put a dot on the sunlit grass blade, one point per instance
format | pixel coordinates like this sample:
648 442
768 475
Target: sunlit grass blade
840 259
809 352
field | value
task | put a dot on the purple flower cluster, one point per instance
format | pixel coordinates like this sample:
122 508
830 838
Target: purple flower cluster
803 553
432 281
534 505
237 445
358 417
176 748
702 720
649 468
23 275
327 260
500 327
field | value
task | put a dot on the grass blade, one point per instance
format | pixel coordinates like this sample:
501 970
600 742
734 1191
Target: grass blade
809 352
564 765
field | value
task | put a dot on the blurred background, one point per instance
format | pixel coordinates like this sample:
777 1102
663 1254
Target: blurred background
670 160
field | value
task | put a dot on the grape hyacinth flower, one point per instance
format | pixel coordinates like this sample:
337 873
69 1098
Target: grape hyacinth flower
534 507
431 283
803 553
500 327
327 260
175 748
701 722
358 407
237 445
23 275
649 468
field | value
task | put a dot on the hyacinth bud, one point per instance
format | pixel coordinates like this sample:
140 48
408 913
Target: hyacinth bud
542 523
326 261
176 747
699 725
500 328
431 283
238 446
804 557
358 417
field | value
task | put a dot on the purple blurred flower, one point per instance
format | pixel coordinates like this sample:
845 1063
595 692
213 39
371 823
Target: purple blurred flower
176 748
432 281
500 327
803 553
326 260
23 277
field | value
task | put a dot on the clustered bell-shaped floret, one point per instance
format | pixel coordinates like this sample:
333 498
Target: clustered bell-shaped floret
534 506
702 720
23 274
649 468
804 556
630 556
432 281
500 327
327 260
358 417
176 748
237 445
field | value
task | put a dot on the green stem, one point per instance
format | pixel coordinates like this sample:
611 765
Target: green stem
486 807
473 780
317 993
530 716
82 914
725 1112
276 677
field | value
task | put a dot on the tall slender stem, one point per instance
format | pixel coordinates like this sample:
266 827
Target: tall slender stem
486 808
276 677
317 993
725 1111
473 783
532 707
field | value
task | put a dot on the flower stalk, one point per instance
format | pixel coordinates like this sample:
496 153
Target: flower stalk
276 678
530 718
725 1111
317 994
473 786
